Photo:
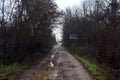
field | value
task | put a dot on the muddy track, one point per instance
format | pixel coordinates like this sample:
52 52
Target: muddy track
60 65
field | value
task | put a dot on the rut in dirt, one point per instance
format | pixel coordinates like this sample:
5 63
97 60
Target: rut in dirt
59 65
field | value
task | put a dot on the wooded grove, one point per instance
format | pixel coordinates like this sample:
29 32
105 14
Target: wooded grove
25 28
97 27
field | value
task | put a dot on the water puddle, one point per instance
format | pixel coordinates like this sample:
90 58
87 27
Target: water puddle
51 64
40 74
47 71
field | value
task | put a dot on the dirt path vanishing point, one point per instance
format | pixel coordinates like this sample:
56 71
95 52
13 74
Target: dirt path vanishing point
60 65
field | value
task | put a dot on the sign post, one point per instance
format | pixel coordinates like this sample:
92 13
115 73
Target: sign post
73 36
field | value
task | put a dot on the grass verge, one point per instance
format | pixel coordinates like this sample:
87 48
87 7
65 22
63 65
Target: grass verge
8 70
94 69
100 71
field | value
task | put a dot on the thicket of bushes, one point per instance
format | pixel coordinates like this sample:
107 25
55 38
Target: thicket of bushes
97 26
25 28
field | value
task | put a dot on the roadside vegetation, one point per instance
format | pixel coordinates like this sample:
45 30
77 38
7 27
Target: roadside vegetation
92 33
10 70
25 29
99 71
93 68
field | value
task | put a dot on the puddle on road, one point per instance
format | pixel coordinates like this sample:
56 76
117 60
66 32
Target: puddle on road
43 72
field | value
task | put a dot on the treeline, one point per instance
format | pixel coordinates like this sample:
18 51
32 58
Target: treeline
25 28
97 27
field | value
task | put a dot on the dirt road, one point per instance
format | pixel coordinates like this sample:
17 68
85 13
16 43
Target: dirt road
60 66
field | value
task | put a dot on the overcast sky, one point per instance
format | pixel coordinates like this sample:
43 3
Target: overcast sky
62 5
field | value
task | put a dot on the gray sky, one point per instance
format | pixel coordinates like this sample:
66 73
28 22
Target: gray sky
62 4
